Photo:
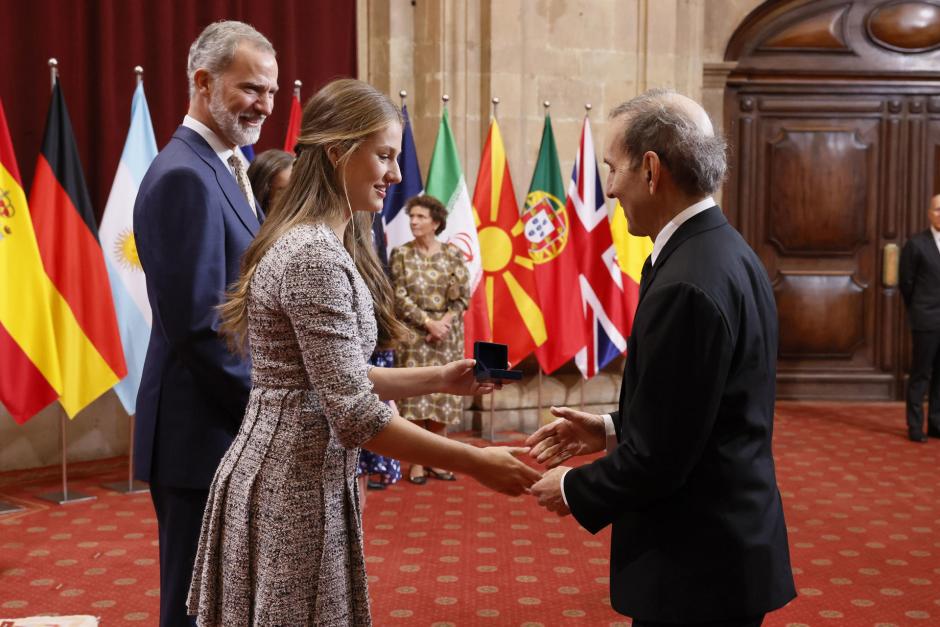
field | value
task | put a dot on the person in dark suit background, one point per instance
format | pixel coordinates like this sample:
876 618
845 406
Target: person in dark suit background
920 287
194 216
688 482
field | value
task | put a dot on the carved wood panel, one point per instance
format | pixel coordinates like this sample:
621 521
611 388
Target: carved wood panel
833 116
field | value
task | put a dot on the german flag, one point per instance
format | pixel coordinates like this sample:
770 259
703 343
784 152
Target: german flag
29 364
89 345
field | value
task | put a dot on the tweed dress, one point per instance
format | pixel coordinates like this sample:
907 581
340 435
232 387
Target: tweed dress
281 540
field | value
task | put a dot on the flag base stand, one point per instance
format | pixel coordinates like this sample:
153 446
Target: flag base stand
127 487
9 508
131 486
492 436
64 498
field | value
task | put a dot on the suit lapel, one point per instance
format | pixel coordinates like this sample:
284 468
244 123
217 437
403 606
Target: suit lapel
706 220
224 177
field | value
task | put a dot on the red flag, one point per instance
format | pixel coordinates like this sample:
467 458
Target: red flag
293 124
506 296
29 365
92 358
548 231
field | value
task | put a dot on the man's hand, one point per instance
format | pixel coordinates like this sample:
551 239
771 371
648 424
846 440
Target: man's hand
502 472
547 491
574 433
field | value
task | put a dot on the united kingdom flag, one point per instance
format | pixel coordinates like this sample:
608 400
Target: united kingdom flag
601 281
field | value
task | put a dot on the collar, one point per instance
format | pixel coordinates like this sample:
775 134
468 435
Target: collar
220 149
671 227
935 233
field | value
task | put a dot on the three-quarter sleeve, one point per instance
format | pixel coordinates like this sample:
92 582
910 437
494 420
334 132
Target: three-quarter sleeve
405 306
318 296
458 286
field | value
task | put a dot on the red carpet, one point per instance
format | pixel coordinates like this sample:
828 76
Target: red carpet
861 504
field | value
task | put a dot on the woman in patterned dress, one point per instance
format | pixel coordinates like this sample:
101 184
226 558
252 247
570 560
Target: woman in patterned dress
432 290
281 541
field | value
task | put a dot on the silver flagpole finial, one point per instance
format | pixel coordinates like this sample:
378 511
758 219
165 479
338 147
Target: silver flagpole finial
53 70
139 72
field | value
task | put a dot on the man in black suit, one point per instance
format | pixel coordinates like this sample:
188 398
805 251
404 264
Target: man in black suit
920 287
194 216
688 482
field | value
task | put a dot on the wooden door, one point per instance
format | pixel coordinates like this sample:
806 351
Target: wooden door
835 138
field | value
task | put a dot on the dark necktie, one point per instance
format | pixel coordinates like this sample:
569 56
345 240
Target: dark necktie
645 274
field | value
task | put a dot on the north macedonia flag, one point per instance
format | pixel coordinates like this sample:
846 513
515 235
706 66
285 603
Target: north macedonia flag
504 308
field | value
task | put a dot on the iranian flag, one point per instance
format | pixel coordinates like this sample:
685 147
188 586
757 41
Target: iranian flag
447 183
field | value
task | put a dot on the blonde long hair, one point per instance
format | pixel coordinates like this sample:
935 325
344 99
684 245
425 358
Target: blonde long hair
338 117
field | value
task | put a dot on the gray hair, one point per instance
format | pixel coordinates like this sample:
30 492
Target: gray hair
215 48
693 154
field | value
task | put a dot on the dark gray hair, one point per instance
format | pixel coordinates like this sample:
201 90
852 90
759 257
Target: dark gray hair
215 48
655 122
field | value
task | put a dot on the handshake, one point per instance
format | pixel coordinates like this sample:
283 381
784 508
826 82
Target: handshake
573 433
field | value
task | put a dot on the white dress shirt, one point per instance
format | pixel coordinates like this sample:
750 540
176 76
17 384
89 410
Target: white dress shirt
222 151
936 237
658 244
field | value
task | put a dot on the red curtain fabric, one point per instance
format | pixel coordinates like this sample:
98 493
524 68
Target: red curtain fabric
98 43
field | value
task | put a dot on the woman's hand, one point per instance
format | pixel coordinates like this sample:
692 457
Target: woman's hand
437 330
499 470
457 378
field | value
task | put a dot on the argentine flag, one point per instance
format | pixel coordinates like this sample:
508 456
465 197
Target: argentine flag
120 251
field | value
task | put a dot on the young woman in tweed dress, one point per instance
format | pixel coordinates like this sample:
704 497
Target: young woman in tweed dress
281 542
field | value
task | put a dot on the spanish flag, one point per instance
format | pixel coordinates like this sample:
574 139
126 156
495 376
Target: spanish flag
504 307
91 359
29 363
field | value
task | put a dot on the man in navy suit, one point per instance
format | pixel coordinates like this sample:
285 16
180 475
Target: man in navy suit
920 287
194 217
688 482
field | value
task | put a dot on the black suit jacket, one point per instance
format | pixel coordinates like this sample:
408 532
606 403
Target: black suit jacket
691 492
920 281
192 224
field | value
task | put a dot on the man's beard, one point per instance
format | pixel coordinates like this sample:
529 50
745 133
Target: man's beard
228 123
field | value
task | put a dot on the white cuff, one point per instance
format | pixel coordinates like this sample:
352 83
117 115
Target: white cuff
563 497
611 432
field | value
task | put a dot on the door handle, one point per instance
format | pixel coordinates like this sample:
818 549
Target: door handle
889 265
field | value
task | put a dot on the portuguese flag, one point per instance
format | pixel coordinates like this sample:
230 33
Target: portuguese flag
90 356
548 234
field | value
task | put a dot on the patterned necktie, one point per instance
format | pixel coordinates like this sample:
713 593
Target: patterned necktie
242 177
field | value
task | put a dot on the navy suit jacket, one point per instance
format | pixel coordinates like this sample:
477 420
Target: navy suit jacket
691 491
191 224
920 281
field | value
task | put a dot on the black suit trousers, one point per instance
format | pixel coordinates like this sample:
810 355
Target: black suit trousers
925 370
743 622
179 521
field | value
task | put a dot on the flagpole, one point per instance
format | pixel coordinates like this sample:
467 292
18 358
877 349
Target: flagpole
297 85
62 497
131 486
587 113
403 95
495 107
545 104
